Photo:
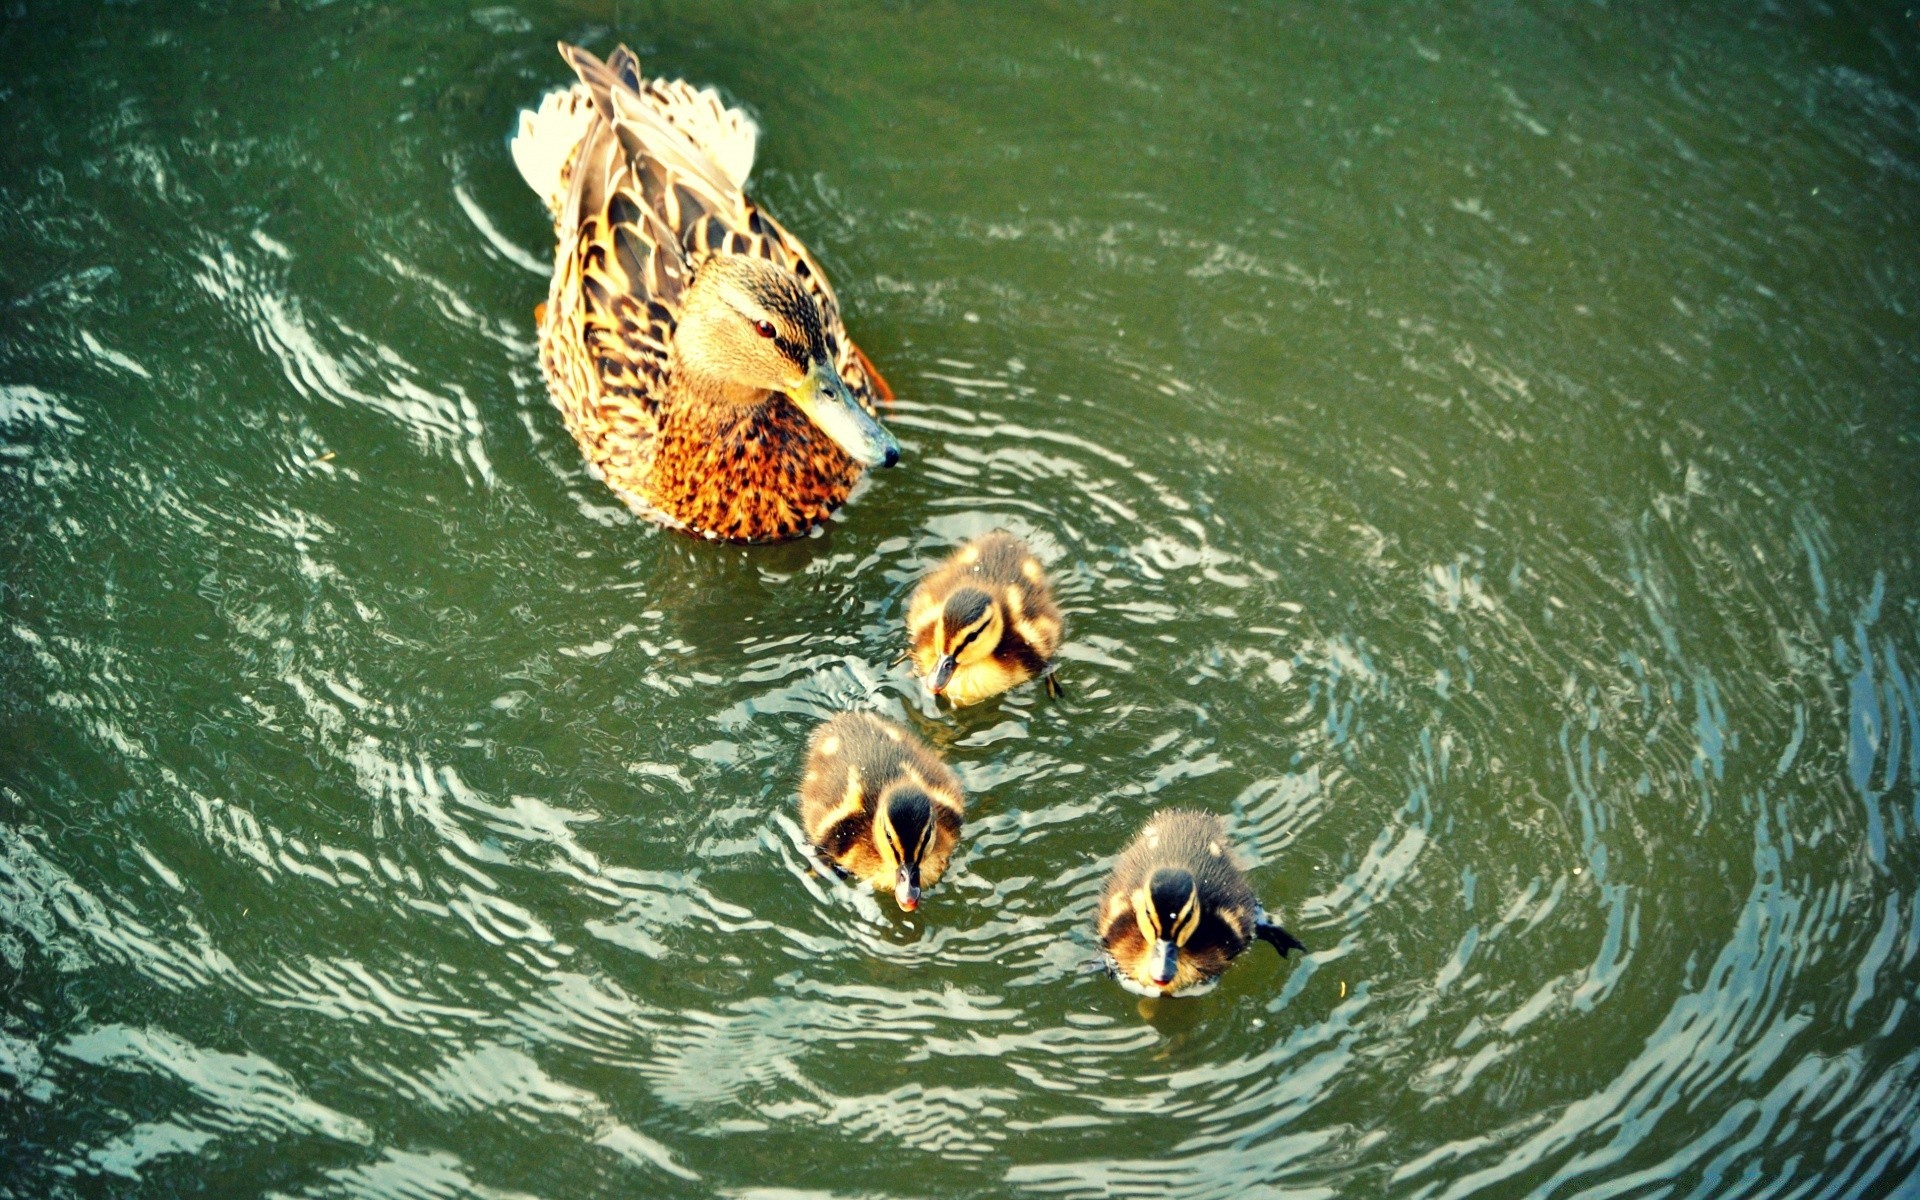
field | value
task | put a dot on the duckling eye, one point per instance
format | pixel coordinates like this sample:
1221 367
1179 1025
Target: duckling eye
763 328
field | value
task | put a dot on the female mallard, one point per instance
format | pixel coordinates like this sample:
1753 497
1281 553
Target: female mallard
693 346
1177 911
881 805
984 621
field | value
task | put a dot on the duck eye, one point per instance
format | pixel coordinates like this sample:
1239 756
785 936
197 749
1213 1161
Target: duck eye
763 328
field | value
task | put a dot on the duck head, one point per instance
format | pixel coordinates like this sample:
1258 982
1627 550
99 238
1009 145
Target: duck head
750 327
1167 909
969 630
903 833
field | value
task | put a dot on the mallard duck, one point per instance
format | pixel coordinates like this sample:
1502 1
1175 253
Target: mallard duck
1177 911
880 805
984 621
693 346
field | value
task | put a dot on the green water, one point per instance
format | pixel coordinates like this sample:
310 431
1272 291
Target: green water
1477 447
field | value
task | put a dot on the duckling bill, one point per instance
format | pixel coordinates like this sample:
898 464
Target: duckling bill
1177 911
880 805
984 621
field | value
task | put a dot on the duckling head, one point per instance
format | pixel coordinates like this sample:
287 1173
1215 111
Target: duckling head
746 324
968 632
1167 908
903 835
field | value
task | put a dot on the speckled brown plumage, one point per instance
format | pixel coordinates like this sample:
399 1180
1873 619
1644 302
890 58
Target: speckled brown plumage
749 476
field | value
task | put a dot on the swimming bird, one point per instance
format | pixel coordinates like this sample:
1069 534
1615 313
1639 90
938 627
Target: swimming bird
984 621
880 805
693 346
1177 911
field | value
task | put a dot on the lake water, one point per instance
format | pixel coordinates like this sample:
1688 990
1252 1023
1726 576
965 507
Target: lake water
1477 447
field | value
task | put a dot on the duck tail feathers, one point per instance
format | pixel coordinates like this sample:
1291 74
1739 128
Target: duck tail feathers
689 130
544 145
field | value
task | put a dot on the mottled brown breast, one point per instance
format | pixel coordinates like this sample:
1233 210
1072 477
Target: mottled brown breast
748 475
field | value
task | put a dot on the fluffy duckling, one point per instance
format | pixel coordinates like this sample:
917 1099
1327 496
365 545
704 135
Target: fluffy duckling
880 805
984 621
1177 911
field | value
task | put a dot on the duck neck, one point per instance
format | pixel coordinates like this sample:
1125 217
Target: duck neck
743 464
691 392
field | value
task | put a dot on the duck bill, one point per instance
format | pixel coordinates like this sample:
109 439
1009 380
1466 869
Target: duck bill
829 404
906 889
1163 963
942 674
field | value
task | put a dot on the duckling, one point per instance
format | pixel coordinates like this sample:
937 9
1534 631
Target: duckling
881 805
693 346
984 621
1177 911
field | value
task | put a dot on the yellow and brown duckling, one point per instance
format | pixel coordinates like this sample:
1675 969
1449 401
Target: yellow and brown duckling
984 621
1177 911
693 346
880 805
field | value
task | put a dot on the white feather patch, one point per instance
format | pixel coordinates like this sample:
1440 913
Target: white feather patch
546 140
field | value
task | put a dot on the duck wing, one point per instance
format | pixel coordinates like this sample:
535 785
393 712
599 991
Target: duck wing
605 337
637 183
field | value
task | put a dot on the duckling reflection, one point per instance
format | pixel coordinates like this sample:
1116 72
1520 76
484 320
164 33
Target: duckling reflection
1177 911
984 621
880 805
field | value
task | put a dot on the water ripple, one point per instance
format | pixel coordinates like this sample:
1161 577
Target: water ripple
1486 498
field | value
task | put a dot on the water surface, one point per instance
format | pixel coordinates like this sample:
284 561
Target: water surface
1477 447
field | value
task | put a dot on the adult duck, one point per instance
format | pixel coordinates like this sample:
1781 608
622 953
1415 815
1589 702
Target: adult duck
693 346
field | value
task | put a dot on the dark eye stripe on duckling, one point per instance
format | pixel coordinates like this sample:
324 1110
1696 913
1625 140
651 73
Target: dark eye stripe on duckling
968 619
1177 895
1187 922
967 639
